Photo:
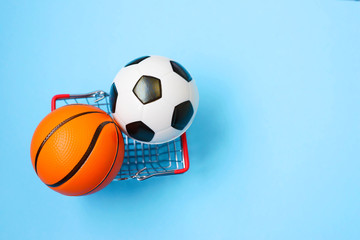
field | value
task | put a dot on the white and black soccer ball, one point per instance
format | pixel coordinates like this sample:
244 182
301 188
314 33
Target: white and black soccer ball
154 99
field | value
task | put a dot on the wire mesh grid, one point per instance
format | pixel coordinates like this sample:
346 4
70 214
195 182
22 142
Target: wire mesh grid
141 161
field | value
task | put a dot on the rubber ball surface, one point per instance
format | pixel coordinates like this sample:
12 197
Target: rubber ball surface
77 150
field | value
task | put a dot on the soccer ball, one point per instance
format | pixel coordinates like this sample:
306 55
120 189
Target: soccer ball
153 99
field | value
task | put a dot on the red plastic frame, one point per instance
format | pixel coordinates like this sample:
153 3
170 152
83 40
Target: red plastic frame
183 136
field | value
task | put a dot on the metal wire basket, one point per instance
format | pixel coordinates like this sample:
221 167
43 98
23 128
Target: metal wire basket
141 161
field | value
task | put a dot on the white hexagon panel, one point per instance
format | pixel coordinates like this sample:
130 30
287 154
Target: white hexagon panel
154 99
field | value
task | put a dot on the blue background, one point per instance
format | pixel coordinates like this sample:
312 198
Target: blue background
274 149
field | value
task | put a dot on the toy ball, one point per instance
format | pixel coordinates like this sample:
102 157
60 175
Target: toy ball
154 99
77 150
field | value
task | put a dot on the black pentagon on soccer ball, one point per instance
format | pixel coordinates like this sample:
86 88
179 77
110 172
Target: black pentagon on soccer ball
136 61
113 97
140 131
180 70
182 115
147 89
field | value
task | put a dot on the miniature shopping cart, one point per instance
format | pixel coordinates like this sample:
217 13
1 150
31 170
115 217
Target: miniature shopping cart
141 161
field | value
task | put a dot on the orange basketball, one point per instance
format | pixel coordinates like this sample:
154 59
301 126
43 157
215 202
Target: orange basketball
77 150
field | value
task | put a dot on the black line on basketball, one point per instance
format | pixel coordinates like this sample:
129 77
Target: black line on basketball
117 151
84 157
54 130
